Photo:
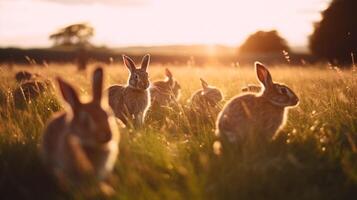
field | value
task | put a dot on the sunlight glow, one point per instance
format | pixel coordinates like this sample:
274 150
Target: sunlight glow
28 23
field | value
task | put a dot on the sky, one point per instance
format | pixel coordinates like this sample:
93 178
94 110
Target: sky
28 23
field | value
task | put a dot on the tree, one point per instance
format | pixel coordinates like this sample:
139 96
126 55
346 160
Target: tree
78 36
335 36
73 35
264 42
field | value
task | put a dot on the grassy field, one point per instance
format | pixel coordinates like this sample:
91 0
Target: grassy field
313 157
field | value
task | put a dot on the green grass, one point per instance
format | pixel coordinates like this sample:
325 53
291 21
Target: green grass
313 157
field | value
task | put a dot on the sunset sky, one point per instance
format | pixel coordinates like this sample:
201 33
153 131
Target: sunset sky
27 23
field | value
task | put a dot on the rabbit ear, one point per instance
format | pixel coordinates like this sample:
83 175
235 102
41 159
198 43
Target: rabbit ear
97 85
168 73
204 83
145 62
69 94
129 63
263 75
169 77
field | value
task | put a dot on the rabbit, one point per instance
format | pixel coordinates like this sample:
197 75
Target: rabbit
262 114
177 91
252 88
83 144
131 102
163 93
23 76
206 99
30 90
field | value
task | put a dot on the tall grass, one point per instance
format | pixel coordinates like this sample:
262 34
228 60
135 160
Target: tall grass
313 157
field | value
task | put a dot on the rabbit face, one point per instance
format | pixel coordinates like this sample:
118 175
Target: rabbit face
277 94
139 78
92 125
282 96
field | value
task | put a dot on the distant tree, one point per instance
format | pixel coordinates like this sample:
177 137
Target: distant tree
264 42
73 35
335 36
78 36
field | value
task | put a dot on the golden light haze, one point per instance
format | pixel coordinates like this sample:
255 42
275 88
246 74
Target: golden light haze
27 23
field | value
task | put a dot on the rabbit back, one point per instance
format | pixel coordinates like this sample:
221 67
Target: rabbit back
161 93
247 115
115 96
204 98
23 76
197 98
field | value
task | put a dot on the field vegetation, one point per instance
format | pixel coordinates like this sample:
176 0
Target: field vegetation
177 157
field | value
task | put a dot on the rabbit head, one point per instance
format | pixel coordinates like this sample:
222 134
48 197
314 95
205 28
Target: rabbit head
174 85
278 94
90 121
169 77
212 94
138 78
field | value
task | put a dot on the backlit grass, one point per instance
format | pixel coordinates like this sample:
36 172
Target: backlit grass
313 157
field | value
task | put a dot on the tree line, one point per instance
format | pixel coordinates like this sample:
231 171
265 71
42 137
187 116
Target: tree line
334 39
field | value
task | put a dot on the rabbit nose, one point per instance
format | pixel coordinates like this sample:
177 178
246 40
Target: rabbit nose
295 100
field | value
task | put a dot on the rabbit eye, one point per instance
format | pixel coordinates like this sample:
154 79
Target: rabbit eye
136 76
283 91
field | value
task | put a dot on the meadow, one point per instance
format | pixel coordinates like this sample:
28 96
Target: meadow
313 157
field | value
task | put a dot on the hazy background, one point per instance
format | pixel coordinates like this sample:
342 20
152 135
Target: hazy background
118 23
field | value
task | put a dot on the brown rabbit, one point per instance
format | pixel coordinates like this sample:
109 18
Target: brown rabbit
177 91
163 93
206 99
262 114
24 75
83 144
130 102
29 90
